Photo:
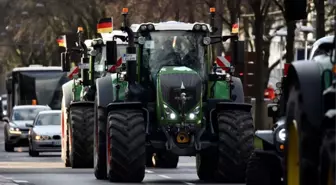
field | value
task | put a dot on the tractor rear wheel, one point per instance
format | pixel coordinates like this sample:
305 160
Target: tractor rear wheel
81 121
206 165
126 146
263 171
236 144
100 144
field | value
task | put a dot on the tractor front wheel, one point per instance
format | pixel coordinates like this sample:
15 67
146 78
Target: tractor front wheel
81 122
126 146
100 144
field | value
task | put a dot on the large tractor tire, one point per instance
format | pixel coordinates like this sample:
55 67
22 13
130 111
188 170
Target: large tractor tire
126 146
67 161
327 153
302 142
262 171
82 126
235 146
100 144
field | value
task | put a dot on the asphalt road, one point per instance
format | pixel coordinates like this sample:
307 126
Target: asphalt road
48 169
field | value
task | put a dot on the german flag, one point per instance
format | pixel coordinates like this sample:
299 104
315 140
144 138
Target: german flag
105 25
235 28
61 40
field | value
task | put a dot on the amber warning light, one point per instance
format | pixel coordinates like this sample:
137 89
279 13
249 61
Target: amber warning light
212 10
80 29
125 10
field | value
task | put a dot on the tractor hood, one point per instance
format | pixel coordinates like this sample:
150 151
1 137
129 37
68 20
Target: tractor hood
174 83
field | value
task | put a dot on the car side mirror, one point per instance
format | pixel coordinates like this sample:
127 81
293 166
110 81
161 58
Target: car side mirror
111 53
9 85
29 125
5 119
272 110
65 61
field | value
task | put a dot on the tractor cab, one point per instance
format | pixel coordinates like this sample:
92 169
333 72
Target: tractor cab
99 51
170 46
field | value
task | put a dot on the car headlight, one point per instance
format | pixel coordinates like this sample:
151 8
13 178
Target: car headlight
281 135
169 112
14 130
41 137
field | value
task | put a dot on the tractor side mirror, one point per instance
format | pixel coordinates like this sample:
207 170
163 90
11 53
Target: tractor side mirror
65 62
272 110
295 10
111 53
9 85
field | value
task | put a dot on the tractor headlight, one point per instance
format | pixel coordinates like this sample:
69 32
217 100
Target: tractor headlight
281 135
169 112
193 114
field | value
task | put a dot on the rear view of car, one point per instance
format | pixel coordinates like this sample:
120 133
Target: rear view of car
45 133
16 130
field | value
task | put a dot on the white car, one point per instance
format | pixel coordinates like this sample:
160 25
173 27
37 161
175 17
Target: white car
45 133
16 130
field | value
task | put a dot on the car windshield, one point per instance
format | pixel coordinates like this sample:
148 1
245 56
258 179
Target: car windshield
26 114
49 119
174 48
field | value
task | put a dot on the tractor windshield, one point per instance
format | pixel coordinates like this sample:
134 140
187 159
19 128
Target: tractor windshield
101 57
174 48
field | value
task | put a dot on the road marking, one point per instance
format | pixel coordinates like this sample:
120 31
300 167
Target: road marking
165 176
20 181
188 183
148 171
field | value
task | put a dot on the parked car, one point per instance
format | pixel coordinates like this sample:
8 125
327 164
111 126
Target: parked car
45 133
16 130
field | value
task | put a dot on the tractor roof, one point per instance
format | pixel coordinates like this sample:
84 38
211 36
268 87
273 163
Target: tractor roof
170 25
109 36
38 68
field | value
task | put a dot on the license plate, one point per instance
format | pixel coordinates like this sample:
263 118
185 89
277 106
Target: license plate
56 143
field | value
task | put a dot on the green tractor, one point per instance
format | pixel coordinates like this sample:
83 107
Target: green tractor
308 107
175 103
78 99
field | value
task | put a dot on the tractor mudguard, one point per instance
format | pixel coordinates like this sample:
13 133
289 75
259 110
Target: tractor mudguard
130 105
82 103
265 135
308 75
104 91
124 105
233 106
238 91
67 93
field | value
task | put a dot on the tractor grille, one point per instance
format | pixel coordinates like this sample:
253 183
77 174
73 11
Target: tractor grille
171 88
